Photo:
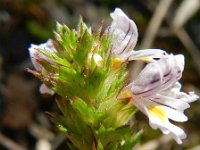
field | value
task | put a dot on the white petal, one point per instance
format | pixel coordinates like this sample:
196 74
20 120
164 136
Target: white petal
158 118
172 91
167 112
180 63
155 77
171 102
177 133
175 115
192 97
148 81
124 32
45 90
35 54
146 55
180 60
175 93
169 71
168 128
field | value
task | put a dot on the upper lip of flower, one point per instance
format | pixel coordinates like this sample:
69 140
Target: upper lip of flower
124 35
124 32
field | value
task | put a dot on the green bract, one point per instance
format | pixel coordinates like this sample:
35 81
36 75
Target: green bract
79 67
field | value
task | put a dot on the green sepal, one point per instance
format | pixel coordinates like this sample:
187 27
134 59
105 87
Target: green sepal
84 46
130 142
121 138
119 113
74 127
99 145
87 113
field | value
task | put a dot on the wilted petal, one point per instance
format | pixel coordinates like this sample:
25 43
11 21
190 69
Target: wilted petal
124 32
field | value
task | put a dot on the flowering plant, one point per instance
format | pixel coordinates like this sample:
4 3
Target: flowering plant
88 71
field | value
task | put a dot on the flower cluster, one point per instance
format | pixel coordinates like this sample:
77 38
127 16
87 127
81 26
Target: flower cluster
91 68
156 90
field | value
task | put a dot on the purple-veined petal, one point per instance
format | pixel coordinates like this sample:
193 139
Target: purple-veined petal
146 55
148 81
156 76
171 102
124 32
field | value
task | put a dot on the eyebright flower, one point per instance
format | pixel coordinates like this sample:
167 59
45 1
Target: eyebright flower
156 92
36 56
124 38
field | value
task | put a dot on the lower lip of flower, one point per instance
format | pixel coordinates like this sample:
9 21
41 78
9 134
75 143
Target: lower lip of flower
157 112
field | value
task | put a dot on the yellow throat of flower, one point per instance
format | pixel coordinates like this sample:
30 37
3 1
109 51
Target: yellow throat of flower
116 62
158 112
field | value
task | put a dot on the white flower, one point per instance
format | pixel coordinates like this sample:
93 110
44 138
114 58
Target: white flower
45 90
36 55
124 38
156 92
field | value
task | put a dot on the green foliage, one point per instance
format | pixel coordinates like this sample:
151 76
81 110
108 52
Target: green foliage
80 70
